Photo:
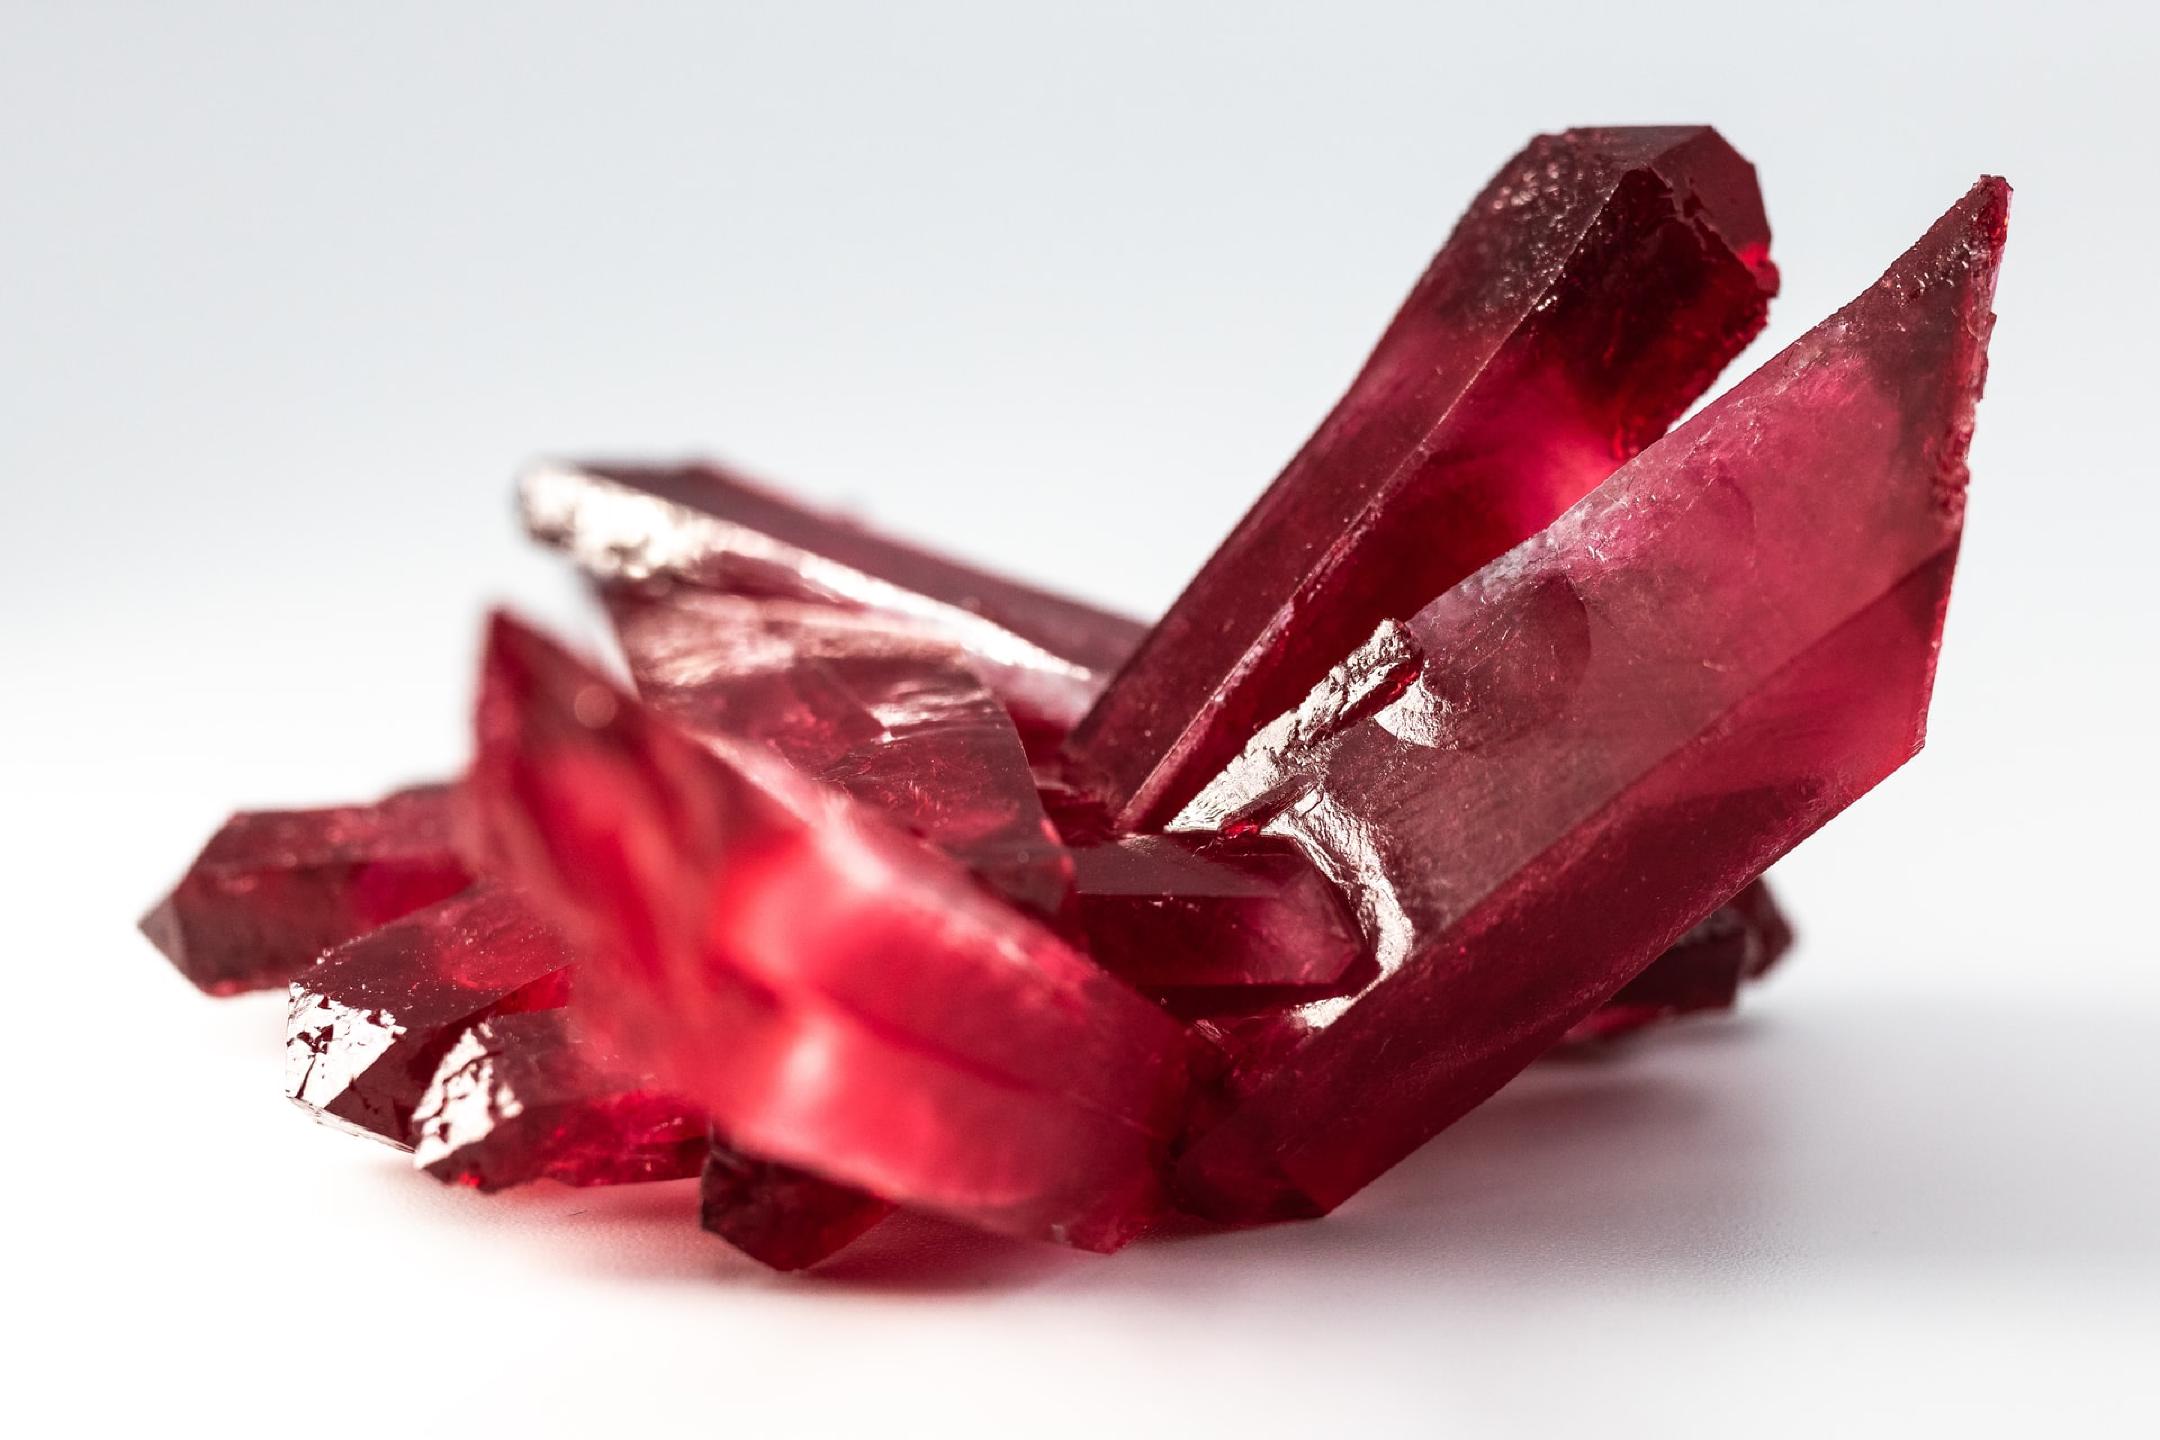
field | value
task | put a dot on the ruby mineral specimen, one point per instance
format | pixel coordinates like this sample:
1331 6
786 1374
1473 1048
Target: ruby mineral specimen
1472 741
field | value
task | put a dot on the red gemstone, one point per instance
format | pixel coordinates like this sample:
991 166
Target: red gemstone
1563 763
523 1097
1590 294
778 1215
838 995
368 1027
1211 926
890 715
275 888
1704 970
1047 656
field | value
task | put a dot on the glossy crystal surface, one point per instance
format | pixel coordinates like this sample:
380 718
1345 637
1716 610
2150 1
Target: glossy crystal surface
523 1097
368 1027
702 525
1544 778
838 995
894 717
1589 295
275 888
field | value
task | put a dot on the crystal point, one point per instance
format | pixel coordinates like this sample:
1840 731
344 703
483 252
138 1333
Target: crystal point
275 888
1588 296
1616 726
779 1216
367 1028
839 996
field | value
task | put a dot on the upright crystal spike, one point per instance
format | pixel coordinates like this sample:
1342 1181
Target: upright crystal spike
1593 290
275 888
1541 780
524 1097
701 525
894 717
367 1028
837 995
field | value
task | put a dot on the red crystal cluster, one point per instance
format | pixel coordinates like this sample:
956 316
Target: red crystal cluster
886 882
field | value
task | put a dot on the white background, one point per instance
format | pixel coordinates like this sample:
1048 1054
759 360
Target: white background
287 291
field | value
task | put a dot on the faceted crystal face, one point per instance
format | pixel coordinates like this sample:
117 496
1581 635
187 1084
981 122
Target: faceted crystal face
1583 749
892 716
367 1028
1587 298
523 1097
1703 971
779 1216
275 888
699 525
837 995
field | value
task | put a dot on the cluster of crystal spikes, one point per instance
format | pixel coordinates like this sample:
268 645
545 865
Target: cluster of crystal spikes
876 881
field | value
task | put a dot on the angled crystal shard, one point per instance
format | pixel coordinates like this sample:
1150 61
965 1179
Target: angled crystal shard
1703 971
779 1216
892 716
701 525
1590 294
275 888
1540 781
1210 925
836 994
367 1028
523 1097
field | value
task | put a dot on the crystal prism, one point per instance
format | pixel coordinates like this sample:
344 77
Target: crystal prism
1545 777
275 888
779 1216
1593 290
1704 970
839 996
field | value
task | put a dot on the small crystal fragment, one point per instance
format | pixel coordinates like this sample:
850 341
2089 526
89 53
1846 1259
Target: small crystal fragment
1587 297
1704 970
838 996
890 715
1612 729
698 524
367 1028
777 1215
523 1097
275 888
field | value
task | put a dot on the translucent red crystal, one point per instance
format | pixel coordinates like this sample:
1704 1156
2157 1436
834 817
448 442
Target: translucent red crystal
892 716
1704 970
275 888
698 524
837 995
523 1097
367 1028
1547 775
1593 290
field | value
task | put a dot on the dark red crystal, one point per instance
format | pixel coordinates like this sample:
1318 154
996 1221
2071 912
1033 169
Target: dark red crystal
1704 970
892 716
367 1028
1590 294
697 524
523 1097
786 1218
1546 776
839 996
275 888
